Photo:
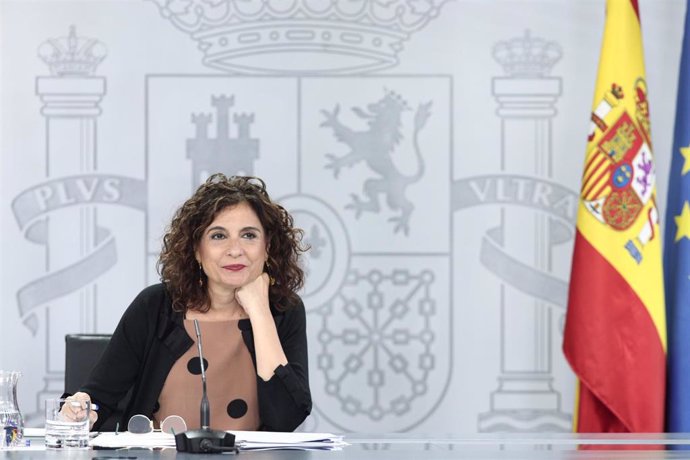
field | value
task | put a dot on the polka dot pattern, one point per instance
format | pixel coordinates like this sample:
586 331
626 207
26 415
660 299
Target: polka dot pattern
237 408
194 367
230 372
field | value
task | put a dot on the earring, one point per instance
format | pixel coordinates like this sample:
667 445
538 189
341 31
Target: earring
201 276
271 280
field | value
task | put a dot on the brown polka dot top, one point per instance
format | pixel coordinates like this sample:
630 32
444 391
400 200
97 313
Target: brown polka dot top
230 380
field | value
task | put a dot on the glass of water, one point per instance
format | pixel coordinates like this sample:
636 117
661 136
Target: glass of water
63 432
11 425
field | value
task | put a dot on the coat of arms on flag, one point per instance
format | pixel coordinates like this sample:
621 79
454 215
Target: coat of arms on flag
619 175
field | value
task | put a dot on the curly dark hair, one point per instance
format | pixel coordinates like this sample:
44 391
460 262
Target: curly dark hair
177 264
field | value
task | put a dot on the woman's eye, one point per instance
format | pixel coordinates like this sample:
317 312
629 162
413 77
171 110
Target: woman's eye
217 236
250 236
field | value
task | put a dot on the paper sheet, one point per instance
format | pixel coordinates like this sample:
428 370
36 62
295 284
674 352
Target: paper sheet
155 439
245 440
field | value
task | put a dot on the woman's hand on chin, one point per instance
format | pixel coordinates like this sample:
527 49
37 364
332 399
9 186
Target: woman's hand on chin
253 296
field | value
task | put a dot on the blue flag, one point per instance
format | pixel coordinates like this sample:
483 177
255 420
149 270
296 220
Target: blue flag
677 256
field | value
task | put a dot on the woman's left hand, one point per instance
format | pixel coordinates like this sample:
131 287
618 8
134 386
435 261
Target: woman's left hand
253 296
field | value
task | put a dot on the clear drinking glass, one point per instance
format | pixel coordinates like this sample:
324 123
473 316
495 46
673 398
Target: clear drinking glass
63 432
10 416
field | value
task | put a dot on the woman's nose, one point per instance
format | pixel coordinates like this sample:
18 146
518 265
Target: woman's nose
234 248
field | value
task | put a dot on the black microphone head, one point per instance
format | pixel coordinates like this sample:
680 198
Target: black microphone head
205 441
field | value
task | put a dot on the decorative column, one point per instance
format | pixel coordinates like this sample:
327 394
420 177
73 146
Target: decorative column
71 98
525 399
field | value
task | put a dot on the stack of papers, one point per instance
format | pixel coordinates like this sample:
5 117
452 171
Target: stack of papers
267 440
244 440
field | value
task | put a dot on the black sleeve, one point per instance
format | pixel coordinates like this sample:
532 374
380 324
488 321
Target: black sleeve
120 365
285 399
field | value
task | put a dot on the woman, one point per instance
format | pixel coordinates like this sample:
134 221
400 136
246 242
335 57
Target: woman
229 260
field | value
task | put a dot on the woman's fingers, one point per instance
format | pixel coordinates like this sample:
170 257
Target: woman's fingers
75 407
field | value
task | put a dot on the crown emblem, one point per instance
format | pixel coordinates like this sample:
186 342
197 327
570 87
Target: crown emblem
526 56
268 36
72 55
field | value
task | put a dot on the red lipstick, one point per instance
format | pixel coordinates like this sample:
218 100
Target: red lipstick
234 267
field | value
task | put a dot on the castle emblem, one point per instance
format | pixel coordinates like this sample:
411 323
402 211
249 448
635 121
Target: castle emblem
374 146
230 155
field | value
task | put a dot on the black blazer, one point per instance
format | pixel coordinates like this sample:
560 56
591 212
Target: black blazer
151 337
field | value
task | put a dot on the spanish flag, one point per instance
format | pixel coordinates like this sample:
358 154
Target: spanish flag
615 331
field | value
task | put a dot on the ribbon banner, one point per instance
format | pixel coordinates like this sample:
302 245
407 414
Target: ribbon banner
31 209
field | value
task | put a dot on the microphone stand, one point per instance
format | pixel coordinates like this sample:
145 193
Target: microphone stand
204 440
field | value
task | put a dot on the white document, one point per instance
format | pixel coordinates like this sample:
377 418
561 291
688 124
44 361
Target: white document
155 439
266 440
244 440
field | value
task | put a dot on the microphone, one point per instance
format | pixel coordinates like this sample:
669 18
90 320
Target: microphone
204 440
205 414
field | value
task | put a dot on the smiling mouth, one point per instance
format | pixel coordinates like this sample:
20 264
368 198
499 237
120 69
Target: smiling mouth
234 268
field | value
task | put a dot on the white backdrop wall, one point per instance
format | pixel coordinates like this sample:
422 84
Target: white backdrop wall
431 150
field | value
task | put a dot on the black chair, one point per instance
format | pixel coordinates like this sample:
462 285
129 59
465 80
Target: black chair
82 352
